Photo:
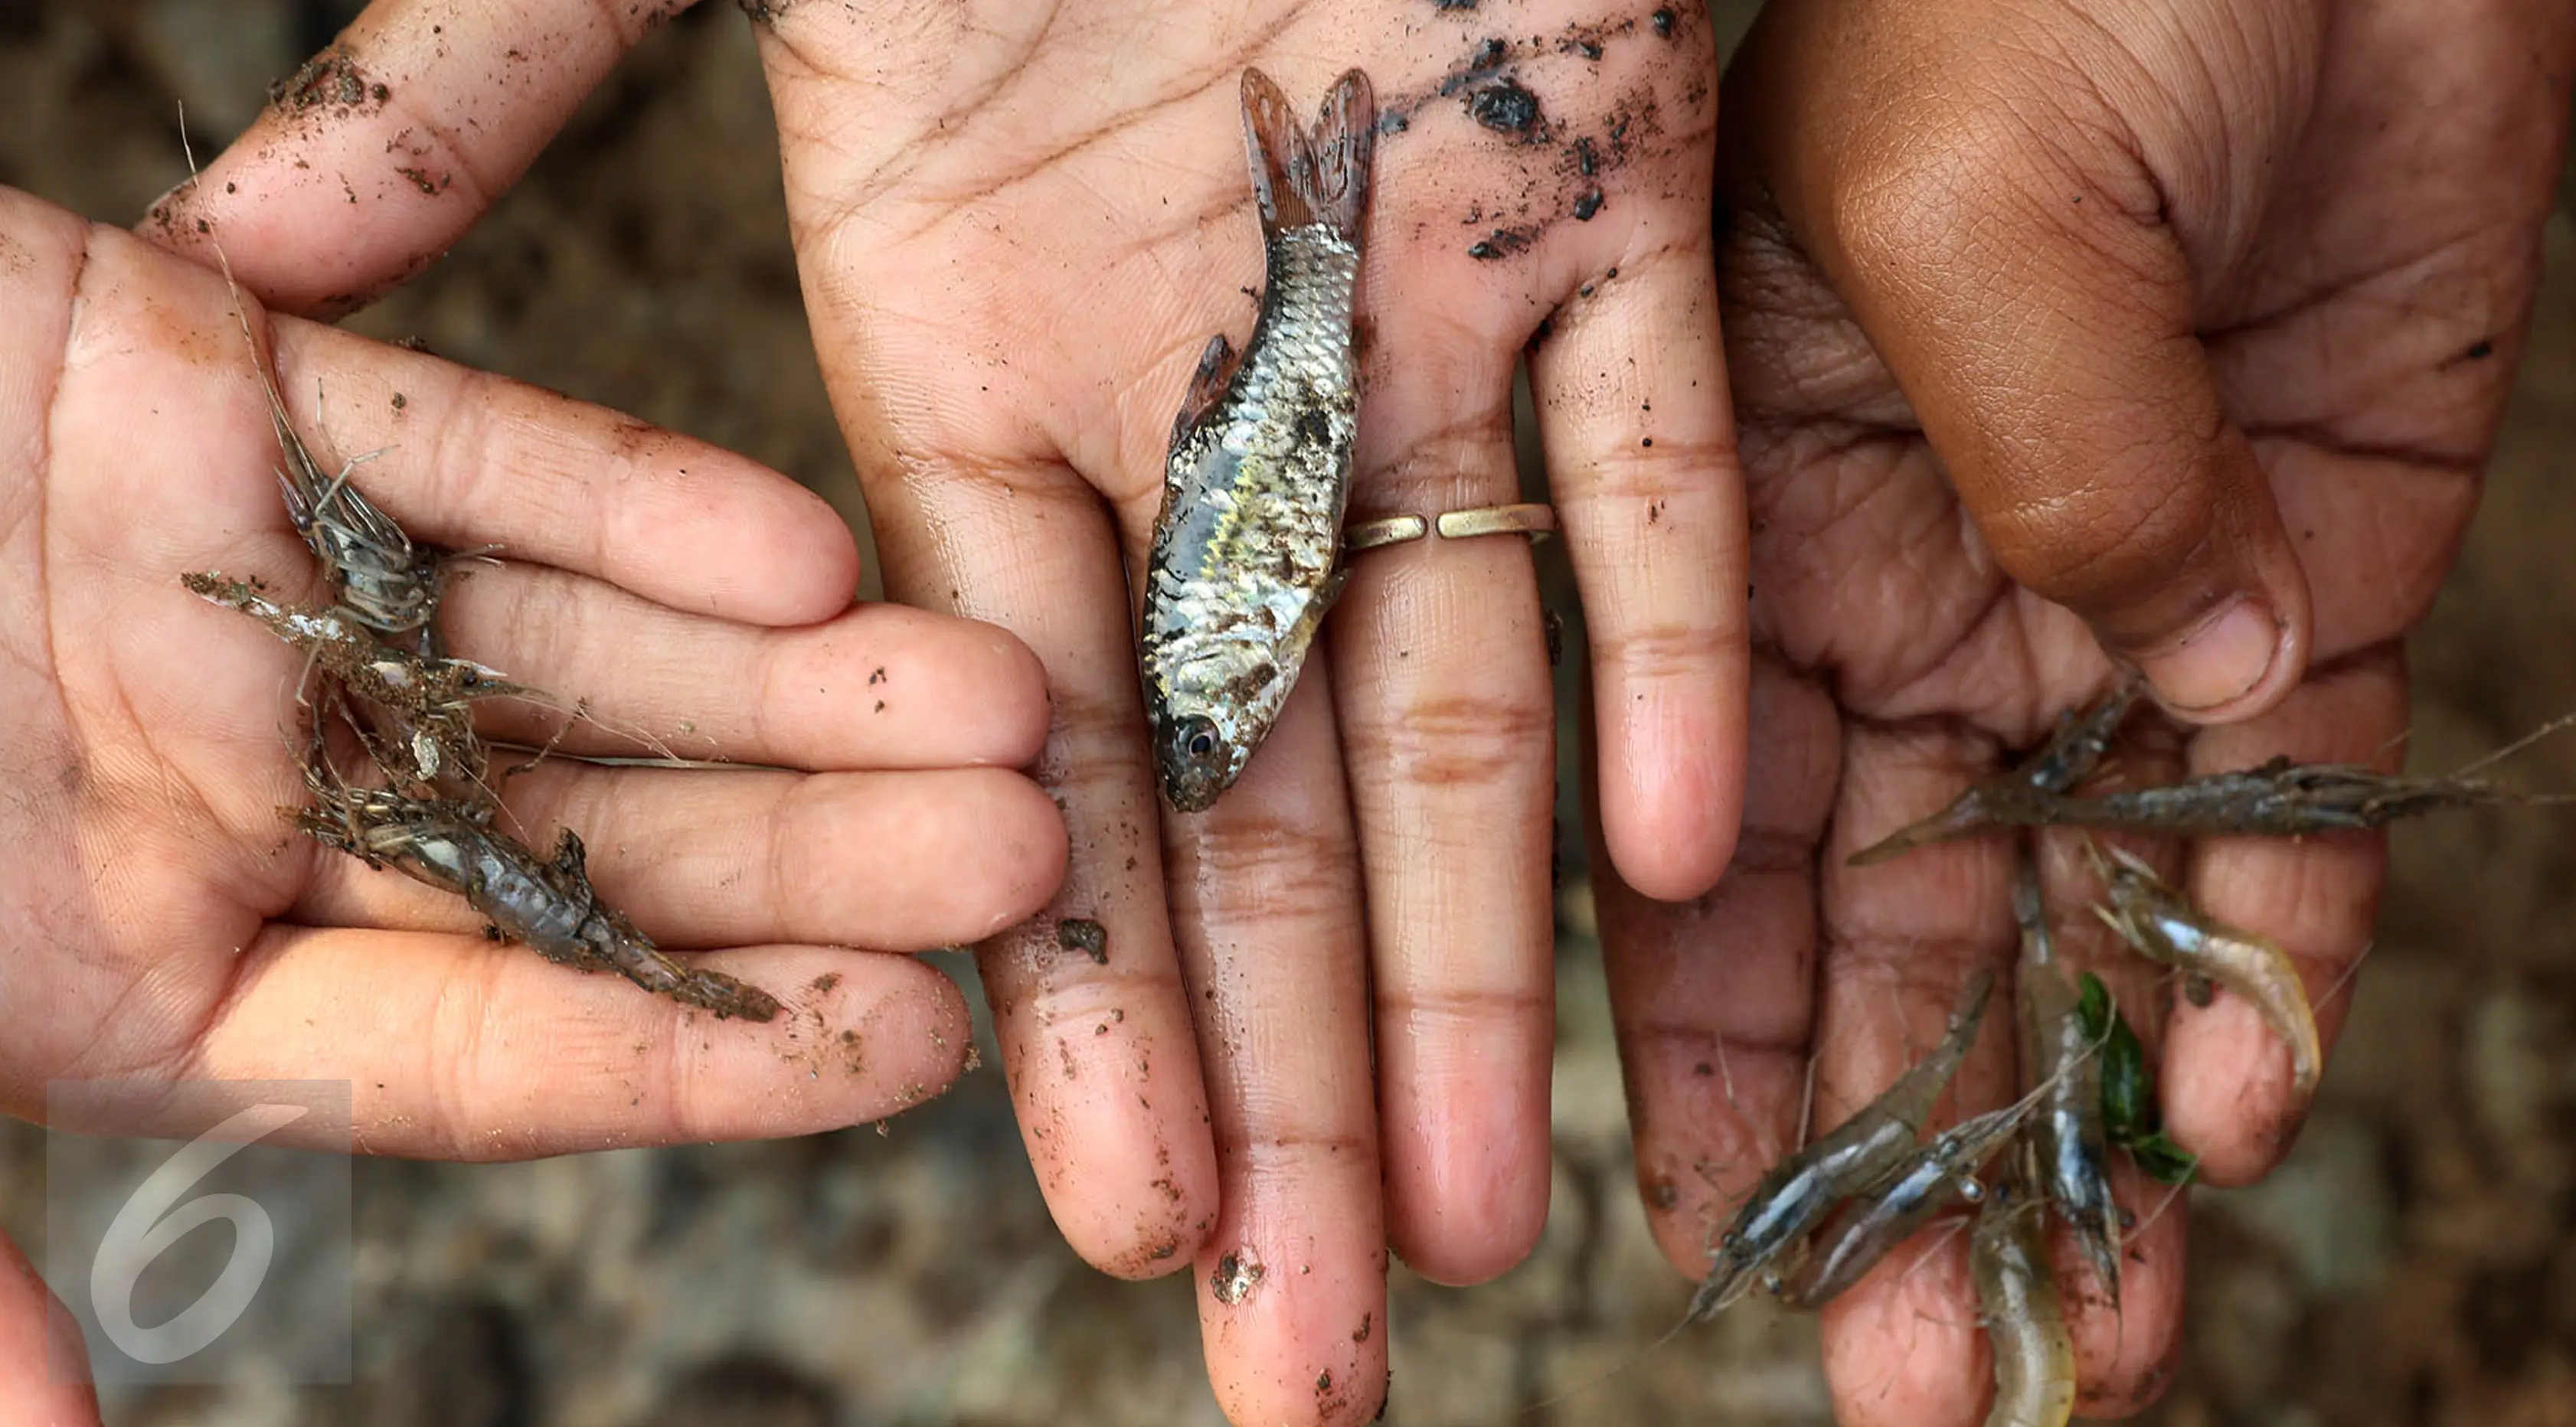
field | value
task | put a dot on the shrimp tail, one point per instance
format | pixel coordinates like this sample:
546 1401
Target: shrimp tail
1308 177
2275 987
1973 812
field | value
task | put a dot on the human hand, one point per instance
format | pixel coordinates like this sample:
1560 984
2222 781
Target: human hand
165 921
1016 238
2133 315
39 1342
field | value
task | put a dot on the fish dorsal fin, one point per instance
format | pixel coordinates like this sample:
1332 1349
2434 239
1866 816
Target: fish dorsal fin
1207 387
1307 177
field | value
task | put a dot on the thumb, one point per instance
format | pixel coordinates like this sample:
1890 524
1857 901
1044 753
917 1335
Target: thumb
384 148
2023 281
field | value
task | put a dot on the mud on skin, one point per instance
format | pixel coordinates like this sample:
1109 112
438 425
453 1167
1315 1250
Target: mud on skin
331 78
1084 935
1493 93
1506 108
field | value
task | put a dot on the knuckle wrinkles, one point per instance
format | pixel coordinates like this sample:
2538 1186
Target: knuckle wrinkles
1269 869
1464 462
1664 647
1088 734
788 861
1463 1007
1468 740
1289 1149
1048 986
1929 968
1620 468
1700 1039
1772 852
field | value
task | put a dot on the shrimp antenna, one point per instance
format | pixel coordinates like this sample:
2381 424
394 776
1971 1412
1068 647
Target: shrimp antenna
221 261
1950 1228
2172 1193
2517 746
2349 972
1634 1358
1807 1105
579 712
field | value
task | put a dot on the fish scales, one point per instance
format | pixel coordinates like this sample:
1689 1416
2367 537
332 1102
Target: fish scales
1257 522
1244 562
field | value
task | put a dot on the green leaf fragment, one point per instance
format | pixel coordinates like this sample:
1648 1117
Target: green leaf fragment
2131 1119
2161 1160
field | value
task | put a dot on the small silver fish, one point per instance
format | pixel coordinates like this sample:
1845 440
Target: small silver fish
1246 549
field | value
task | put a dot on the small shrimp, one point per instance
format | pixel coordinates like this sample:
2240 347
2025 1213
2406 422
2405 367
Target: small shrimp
2163 925
1930 1180
425 696
2069 756
2067 1142
548 906
1849 1159
346 646
2017 1293
2076 748
2279 798
389 583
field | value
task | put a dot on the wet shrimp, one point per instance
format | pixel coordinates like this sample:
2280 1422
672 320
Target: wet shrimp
1847 1160
2279 798
2066 1139
546 905
1935 1177
2025 1322
2163 925
2070 755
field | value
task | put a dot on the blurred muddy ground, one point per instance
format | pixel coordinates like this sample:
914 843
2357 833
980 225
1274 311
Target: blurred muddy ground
2413 1262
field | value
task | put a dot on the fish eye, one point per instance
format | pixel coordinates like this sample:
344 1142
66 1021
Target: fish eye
1971 1192
1198 736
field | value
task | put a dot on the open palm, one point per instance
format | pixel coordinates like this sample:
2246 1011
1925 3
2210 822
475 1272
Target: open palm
2350 234
1235 1035
163 918
1017 245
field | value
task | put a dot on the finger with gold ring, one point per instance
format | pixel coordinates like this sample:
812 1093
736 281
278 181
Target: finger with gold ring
1531 518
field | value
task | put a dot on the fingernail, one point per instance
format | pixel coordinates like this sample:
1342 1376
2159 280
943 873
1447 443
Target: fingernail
2220 661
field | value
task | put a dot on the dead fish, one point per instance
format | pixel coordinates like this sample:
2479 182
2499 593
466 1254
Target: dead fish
1246 550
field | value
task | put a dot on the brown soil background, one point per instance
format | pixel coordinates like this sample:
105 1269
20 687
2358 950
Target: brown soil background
2411 1263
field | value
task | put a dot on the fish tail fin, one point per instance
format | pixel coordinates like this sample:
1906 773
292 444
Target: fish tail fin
1305 177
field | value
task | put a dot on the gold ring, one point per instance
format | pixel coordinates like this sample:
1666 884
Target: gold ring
1533 519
